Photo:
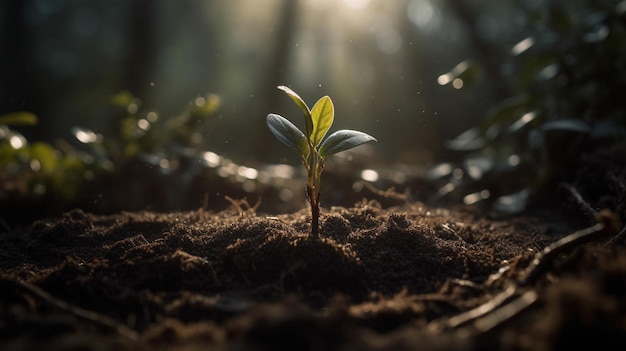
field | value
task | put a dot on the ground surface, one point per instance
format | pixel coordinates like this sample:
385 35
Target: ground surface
406 277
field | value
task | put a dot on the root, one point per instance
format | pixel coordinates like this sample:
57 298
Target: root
243 206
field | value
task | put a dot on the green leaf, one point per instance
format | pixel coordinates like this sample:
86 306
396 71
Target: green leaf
342 140
322 114
466 71
568 125
507 111
513 203
23 118
46 155
122 99
305 109
470 140
287 133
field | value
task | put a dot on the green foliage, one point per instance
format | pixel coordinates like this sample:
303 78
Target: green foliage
312 146
567 77
32 172
146 132
466 72
44 178
22 118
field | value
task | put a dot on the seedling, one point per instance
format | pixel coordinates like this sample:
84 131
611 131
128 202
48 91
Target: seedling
313 147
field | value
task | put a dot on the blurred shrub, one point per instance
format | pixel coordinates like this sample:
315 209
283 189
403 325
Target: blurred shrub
128 170
568 76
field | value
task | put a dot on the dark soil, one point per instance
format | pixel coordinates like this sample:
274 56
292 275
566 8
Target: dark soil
406 277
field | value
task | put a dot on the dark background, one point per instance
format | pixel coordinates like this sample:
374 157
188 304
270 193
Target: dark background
389 67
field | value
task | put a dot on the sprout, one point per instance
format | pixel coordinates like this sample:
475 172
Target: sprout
312 146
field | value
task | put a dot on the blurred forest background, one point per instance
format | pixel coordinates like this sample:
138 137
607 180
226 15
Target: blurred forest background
94 94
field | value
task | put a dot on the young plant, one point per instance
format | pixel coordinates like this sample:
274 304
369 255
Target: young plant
313 147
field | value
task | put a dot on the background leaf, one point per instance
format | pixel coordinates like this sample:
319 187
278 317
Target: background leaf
322 115
47 156
342 140
23 118
567 124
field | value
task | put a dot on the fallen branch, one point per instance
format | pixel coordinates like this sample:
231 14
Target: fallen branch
506 312
475 313
81 313
544 259
506 304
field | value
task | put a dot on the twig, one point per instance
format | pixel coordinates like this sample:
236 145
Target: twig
584 205
81 313
617 238
503 306
390 193
544 259
467 283
506 312
205 202
240 204
477 312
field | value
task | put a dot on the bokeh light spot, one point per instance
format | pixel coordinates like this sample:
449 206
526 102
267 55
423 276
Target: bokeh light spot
369 175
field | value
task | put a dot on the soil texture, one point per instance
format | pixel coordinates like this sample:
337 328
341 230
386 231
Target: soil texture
405 277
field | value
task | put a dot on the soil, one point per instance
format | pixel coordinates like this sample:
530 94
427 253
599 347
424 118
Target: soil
409 276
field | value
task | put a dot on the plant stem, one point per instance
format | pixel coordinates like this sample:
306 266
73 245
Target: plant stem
314 198
314 170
